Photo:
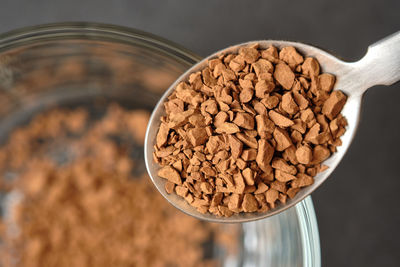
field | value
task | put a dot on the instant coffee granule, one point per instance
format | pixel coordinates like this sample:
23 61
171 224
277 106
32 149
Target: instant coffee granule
85 200
249 130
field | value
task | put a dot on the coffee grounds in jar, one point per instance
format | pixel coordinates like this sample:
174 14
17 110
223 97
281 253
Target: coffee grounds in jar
84 203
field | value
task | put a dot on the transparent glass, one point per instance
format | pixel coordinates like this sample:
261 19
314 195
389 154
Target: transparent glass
87 64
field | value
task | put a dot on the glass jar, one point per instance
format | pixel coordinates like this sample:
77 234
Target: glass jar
86 64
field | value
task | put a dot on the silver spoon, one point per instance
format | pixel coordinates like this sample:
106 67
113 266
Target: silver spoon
380 66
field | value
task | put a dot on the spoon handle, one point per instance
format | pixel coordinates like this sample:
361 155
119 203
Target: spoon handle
380 66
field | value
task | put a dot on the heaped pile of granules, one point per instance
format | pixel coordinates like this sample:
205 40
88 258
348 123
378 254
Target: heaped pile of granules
85 202
249 130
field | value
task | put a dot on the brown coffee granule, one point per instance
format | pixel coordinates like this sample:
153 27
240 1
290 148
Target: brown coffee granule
87 203
249 130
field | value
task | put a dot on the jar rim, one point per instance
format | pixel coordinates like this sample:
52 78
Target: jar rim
309 233
92 31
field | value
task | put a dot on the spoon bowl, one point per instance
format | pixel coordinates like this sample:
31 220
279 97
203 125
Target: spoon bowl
381 65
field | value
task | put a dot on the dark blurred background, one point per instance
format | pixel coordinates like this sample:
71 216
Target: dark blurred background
357 208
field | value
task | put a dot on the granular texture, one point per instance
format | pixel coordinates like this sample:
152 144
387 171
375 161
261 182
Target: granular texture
85 202
249 130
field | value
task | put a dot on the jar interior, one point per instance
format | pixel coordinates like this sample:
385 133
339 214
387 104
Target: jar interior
93 72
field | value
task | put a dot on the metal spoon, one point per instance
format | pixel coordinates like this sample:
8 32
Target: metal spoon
380 66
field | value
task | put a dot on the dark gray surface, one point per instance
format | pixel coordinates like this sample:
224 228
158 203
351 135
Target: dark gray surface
357 208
